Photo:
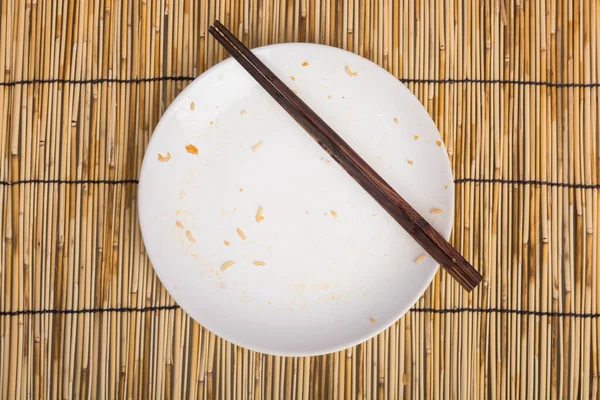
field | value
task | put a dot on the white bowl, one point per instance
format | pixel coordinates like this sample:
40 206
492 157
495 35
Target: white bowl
338 269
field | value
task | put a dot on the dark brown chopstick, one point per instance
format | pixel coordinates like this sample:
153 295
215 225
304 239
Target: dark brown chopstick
340 151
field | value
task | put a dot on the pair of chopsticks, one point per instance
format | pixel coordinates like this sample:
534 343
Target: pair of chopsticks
420 230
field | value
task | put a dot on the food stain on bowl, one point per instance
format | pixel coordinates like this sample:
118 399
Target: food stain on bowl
259 215
257 146
227 265
350 73
190 237
162 158
421 258
190 148
241 234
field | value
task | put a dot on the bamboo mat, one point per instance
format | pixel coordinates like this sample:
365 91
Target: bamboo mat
513 87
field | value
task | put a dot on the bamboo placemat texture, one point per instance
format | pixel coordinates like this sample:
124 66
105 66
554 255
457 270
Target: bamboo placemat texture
513 87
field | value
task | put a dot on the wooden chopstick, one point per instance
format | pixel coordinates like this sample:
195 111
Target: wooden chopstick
332 143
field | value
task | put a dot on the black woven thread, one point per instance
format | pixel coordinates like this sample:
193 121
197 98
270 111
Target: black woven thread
450 81
99 80
500 82
457 181
528 182
505 311
72 182
414 310
88 311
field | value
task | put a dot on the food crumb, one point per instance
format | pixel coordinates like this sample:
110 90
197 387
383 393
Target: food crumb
270 302
292 78
178 212
333 214
257 146
243 112
420 259
191 149
437 211
329 97
439 143
259 263
350 73
307 212
446 187
211 123
241 234
396 121
416 137
259 217
410 162
241 190
305 64
179 225
295 91
227 265
190 237
192 106
164 159
226 243
195 256
372 320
